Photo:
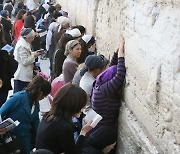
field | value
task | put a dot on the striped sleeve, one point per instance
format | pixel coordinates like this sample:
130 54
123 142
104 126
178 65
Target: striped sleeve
114 59
111 86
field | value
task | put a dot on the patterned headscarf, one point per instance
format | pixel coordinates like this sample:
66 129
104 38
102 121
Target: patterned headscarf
69 46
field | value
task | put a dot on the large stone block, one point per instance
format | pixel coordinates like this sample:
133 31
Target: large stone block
133 138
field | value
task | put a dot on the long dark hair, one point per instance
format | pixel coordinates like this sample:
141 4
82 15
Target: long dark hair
20 14
63 41
69 100
29 22
36 86
2 40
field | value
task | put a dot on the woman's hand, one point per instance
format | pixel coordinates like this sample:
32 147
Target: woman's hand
117 51
86 128
36 34
121 46
38 53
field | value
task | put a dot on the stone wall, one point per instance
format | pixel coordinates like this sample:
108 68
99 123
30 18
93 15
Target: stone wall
149 118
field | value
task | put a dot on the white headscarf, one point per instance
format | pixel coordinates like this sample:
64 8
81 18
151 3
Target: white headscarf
87 38
74 32
46 6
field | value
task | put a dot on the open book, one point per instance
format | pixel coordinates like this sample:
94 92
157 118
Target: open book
9 124
8 48
91 115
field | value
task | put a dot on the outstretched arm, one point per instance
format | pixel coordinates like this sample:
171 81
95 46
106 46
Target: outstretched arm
119 52
114 59
112 85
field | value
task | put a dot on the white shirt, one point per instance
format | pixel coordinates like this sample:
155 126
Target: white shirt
52 26
86 83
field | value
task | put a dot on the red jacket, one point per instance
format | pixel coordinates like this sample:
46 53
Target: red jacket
17 28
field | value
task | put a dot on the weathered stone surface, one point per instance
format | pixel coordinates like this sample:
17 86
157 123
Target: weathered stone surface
152 92
133 138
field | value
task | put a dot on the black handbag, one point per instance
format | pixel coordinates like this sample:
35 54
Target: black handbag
10 144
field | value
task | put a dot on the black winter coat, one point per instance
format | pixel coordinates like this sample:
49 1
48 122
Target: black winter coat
8 66
7 26
88 149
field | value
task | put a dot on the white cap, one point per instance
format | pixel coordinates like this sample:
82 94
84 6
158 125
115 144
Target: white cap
46 1
74 32
87 38
63 20
46 6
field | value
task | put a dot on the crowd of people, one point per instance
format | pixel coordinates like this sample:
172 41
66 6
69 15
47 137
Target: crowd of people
80 80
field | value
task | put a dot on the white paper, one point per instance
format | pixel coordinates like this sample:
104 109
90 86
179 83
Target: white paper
92 116
9 124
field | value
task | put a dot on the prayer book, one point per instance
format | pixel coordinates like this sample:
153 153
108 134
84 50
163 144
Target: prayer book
7 47
9 124
91 115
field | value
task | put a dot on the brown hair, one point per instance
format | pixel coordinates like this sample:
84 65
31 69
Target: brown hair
63 41
69 100
58 7
37 85
20 14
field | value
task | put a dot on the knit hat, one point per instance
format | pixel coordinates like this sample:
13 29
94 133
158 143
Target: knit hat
87 38
70 45
4 13
93 62
74 32
27 32
102 137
